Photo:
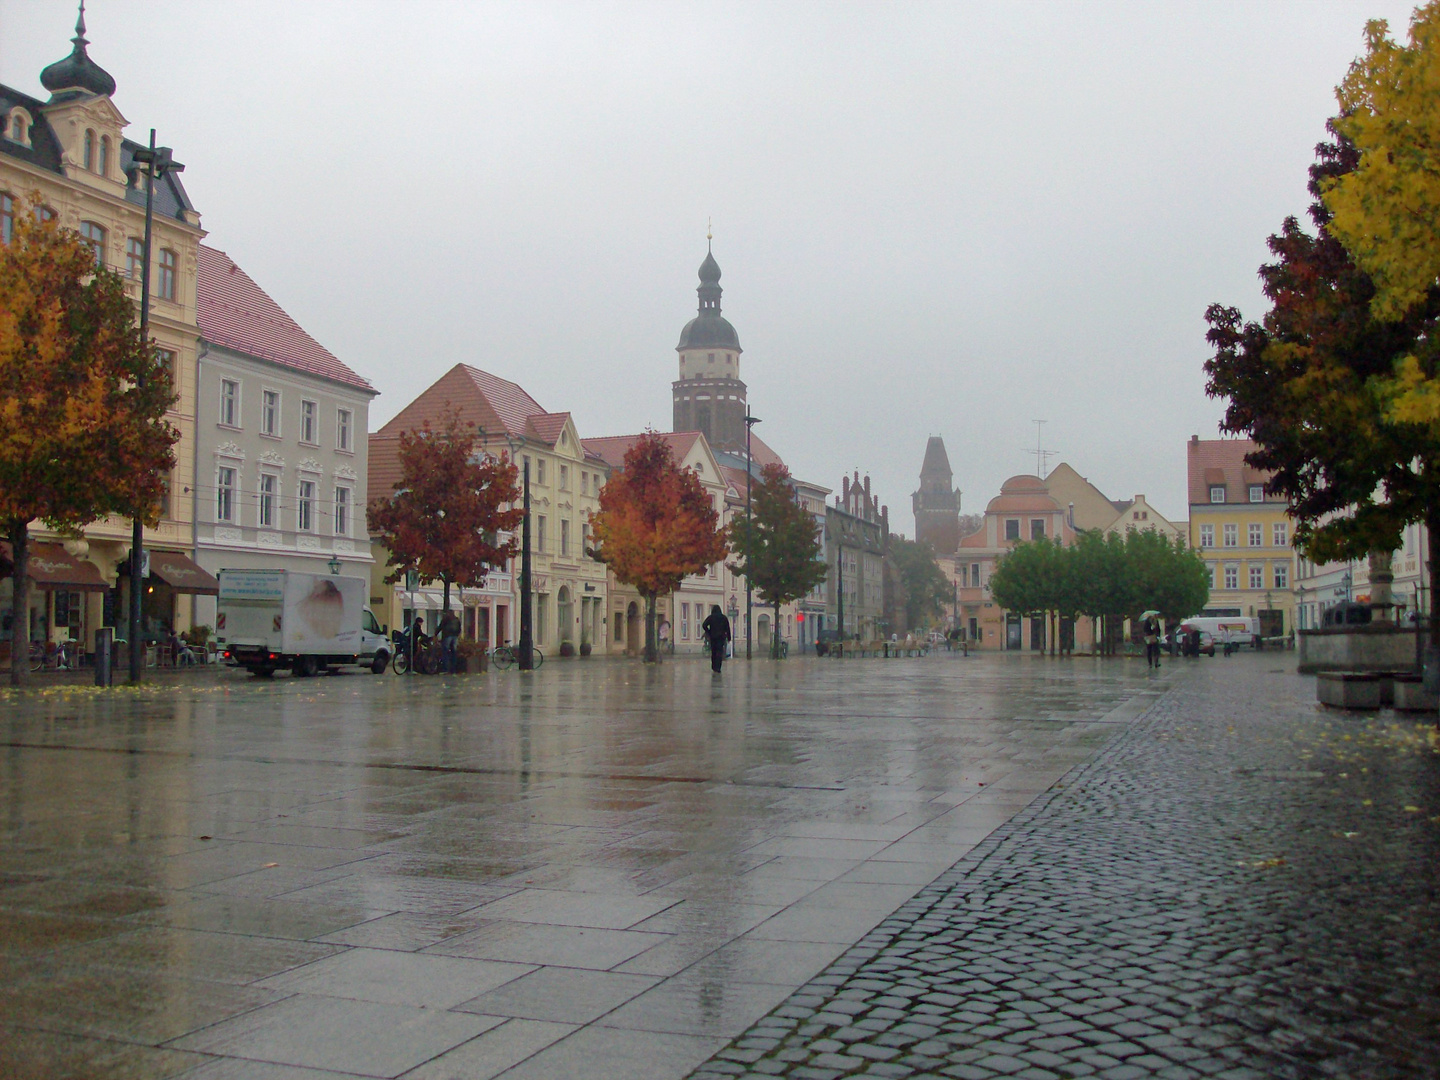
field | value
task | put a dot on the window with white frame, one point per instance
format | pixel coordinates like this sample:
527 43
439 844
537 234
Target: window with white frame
269 485
1280 532
1207 536
270 412
342 511
564 477
1257 492
167 275
1257 535
305 507
229 403
225 493
308 433
134 258
1282 575
343 420
684 622
1232 577
1232 535
540 470
1257 576
540 533
1210 574
584 482
94 236
1217 493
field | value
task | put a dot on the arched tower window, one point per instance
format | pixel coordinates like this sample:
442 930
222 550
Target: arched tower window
89 150
17 126
104 169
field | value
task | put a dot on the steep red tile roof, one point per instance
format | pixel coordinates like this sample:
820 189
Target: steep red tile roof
762 454
383 471
236 313
613 448
498 406
1222 461
546 426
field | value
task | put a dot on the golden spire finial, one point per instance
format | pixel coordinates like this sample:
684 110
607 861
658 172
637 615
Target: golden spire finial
709 231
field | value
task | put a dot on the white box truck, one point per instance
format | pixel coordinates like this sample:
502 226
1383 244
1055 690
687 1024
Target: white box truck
270 620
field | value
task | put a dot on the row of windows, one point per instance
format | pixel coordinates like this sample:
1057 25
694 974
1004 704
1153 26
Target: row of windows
268 506
1012 529
7 215
97 154
271 415
1255 534
539 537
589 482
1230 575
95 235
1255 491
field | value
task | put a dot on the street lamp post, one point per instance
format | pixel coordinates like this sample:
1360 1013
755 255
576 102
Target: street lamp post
525 660
157 162
750 422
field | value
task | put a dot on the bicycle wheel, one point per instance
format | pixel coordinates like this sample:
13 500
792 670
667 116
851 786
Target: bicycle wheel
537 658
503 657
37 657
400 662
430 661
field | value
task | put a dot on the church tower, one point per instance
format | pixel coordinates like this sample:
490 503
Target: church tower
937 503
709 396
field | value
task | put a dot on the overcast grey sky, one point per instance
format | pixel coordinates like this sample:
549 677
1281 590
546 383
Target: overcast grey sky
945 219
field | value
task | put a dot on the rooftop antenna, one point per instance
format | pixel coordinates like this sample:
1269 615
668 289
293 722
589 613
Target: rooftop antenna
1042 456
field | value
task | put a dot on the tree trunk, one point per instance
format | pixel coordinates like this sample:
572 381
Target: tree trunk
20 608
1432 526
775 633
446 582
652 652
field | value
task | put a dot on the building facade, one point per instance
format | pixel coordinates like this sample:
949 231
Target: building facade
1244 534
680 614
937 502
857 536
281 448
568 588
69 152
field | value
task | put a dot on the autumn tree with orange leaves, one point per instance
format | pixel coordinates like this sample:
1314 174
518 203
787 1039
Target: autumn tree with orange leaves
655 526
83 397
448 509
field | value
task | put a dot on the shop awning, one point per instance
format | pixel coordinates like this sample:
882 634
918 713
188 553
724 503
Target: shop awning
183 574
50 566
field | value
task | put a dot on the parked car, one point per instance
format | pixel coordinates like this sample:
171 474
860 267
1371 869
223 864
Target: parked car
1348 613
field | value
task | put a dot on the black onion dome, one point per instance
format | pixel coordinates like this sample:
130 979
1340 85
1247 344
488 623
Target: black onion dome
77 71
709 330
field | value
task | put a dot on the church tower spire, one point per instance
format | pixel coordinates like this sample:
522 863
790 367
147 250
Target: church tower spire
77 72
709 395
937 503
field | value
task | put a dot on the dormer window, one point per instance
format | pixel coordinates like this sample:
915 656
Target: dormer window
89 150
1217 493
1257 493
17 126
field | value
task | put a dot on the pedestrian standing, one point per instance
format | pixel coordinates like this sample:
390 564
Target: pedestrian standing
449 638
716 628
1151 629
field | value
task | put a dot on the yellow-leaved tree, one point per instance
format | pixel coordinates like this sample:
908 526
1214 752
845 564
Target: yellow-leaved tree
82 400
1386 211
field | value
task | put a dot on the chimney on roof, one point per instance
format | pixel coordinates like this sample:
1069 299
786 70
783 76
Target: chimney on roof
1194 438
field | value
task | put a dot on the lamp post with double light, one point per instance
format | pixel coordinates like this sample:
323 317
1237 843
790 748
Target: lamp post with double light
525 648
750 422
157 162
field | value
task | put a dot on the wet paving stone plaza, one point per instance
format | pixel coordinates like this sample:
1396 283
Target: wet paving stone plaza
961 867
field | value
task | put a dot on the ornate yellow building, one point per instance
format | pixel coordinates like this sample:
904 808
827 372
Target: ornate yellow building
70 153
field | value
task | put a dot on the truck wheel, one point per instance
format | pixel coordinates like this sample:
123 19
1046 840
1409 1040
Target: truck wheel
304 667
380 663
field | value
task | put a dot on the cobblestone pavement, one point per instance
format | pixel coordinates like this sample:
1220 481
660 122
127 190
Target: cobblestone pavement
601 870
1242 885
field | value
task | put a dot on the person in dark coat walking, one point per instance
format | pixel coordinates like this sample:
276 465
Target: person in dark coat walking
717 632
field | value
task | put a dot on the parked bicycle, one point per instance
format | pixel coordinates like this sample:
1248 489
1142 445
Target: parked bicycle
505 656
56 658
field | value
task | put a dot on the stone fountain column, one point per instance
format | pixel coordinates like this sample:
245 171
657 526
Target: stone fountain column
1381 607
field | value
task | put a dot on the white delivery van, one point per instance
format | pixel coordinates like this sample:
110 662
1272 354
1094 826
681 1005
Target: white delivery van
1236 629
273 619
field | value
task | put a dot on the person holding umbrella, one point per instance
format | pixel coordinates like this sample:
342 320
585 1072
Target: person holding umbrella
1150 629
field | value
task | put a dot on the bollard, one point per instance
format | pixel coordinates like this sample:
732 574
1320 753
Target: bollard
104 637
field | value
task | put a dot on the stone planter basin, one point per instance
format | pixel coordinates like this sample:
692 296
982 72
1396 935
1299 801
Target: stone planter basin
1348 689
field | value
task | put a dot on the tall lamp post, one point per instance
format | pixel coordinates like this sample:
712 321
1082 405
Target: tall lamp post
157 162
526 658
750 422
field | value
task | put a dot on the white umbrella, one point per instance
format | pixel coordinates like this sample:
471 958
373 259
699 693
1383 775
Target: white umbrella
1147 614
